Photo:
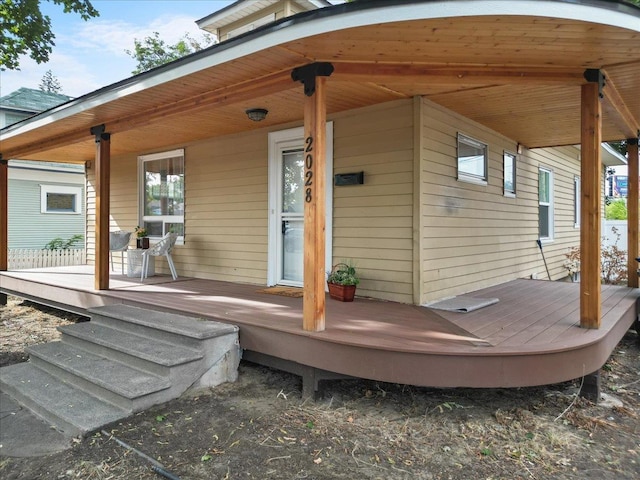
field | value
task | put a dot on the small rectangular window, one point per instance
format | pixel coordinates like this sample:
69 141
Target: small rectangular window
509 174
60 199
576 202
472 160
545 204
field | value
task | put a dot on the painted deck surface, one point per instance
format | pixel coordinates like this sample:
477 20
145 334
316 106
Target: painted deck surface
530 337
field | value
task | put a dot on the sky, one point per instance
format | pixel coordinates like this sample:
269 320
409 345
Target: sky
90 55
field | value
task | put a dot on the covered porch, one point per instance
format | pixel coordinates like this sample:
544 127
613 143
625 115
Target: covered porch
531 336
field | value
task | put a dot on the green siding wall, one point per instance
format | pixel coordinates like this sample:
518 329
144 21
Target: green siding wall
28 227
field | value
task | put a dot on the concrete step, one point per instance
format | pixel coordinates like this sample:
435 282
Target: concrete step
124 360
119 384
70 409
168 327
152 355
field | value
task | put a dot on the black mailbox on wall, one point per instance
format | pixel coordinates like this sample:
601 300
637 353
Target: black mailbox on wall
356 178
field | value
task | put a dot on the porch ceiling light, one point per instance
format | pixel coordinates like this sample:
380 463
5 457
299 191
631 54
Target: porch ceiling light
257 114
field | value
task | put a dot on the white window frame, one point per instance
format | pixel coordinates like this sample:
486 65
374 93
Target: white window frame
141 185
509 193
549 205
62 189
468 176
577 192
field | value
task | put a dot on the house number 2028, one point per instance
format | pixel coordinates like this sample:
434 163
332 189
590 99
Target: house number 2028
308 169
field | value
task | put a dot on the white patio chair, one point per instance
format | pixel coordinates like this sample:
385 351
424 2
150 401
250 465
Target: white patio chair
163 247
119 242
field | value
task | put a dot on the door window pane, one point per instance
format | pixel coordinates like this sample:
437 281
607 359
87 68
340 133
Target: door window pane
292 181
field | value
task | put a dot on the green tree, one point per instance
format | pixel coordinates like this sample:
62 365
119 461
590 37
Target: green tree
50 83
153 52
25 30
616 210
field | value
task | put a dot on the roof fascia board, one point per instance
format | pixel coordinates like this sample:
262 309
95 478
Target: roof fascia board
326 20
216 17
617 157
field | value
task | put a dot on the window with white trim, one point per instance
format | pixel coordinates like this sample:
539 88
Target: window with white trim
162 193
60 199
509 161
576 202
472 160
545 203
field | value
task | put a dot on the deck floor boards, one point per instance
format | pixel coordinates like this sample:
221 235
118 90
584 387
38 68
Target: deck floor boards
533 322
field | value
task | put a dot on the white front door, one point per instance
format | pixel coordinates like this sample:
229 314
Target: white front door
286 206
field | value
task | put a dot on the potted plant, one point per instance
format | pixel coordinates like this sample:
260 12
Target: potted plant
342 281
142 240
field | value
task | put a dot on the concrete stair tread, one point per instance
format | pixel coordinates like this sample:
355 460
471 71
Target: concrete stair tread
146 348
191 327
57 399
119 378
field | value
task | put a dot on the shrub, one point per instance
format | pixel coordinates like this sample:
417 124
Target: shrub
616 210
59 243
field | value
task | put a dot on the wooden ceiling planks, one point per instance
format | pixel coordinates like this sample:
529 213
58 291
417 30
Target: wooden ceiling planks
518 75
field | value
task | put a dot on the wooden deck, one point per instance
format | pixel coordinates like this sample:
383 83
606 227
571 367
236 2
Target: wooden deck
530 337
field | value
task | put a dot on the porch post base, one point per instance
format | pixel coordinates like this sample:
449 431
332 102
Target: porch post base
591 388
3 299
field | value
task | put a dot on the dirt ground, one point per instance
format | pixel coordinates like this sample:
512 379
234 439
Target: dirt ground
259 428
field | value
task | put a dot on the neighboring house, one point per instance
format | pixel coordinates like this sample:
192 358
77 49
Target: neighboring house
246 15
46 199
461 116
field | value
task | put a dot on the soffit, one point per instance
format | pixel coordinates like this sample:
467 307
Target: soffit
212 101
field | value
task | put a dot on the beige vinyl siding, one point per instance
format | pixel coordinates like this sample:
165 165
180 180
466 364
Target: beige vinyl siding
472 235
226 223
123 202
373 222
564 162
225 208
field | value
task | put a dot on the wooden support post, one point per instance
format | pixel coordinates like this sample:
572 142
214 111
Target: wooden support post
315 120
3 299
4 215
313 77
591 137
591 387
633 218
103 191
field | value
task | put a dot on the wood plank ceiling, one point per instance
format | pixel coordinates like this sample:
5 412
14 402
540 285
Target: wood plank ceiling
518 75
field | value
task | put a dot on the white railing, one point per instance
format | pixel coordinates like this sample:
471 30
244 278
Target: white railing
22 258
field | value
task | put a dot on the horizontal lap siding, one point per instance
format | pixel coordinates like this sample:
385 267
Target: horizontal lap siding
373 222
565 164
226 222
28 226
472 235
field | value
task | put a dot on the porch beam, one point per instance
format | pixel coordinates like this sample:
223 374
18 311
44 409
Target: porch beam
4 215
629 124
464 74
103 192
590 215
228 95
314 78
633 217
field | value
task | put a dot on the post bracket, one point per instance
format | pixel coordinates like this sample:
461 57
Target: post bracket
307 75
595 75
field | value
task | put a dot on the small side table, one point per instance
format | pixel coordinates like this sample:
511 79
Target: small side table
134 263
